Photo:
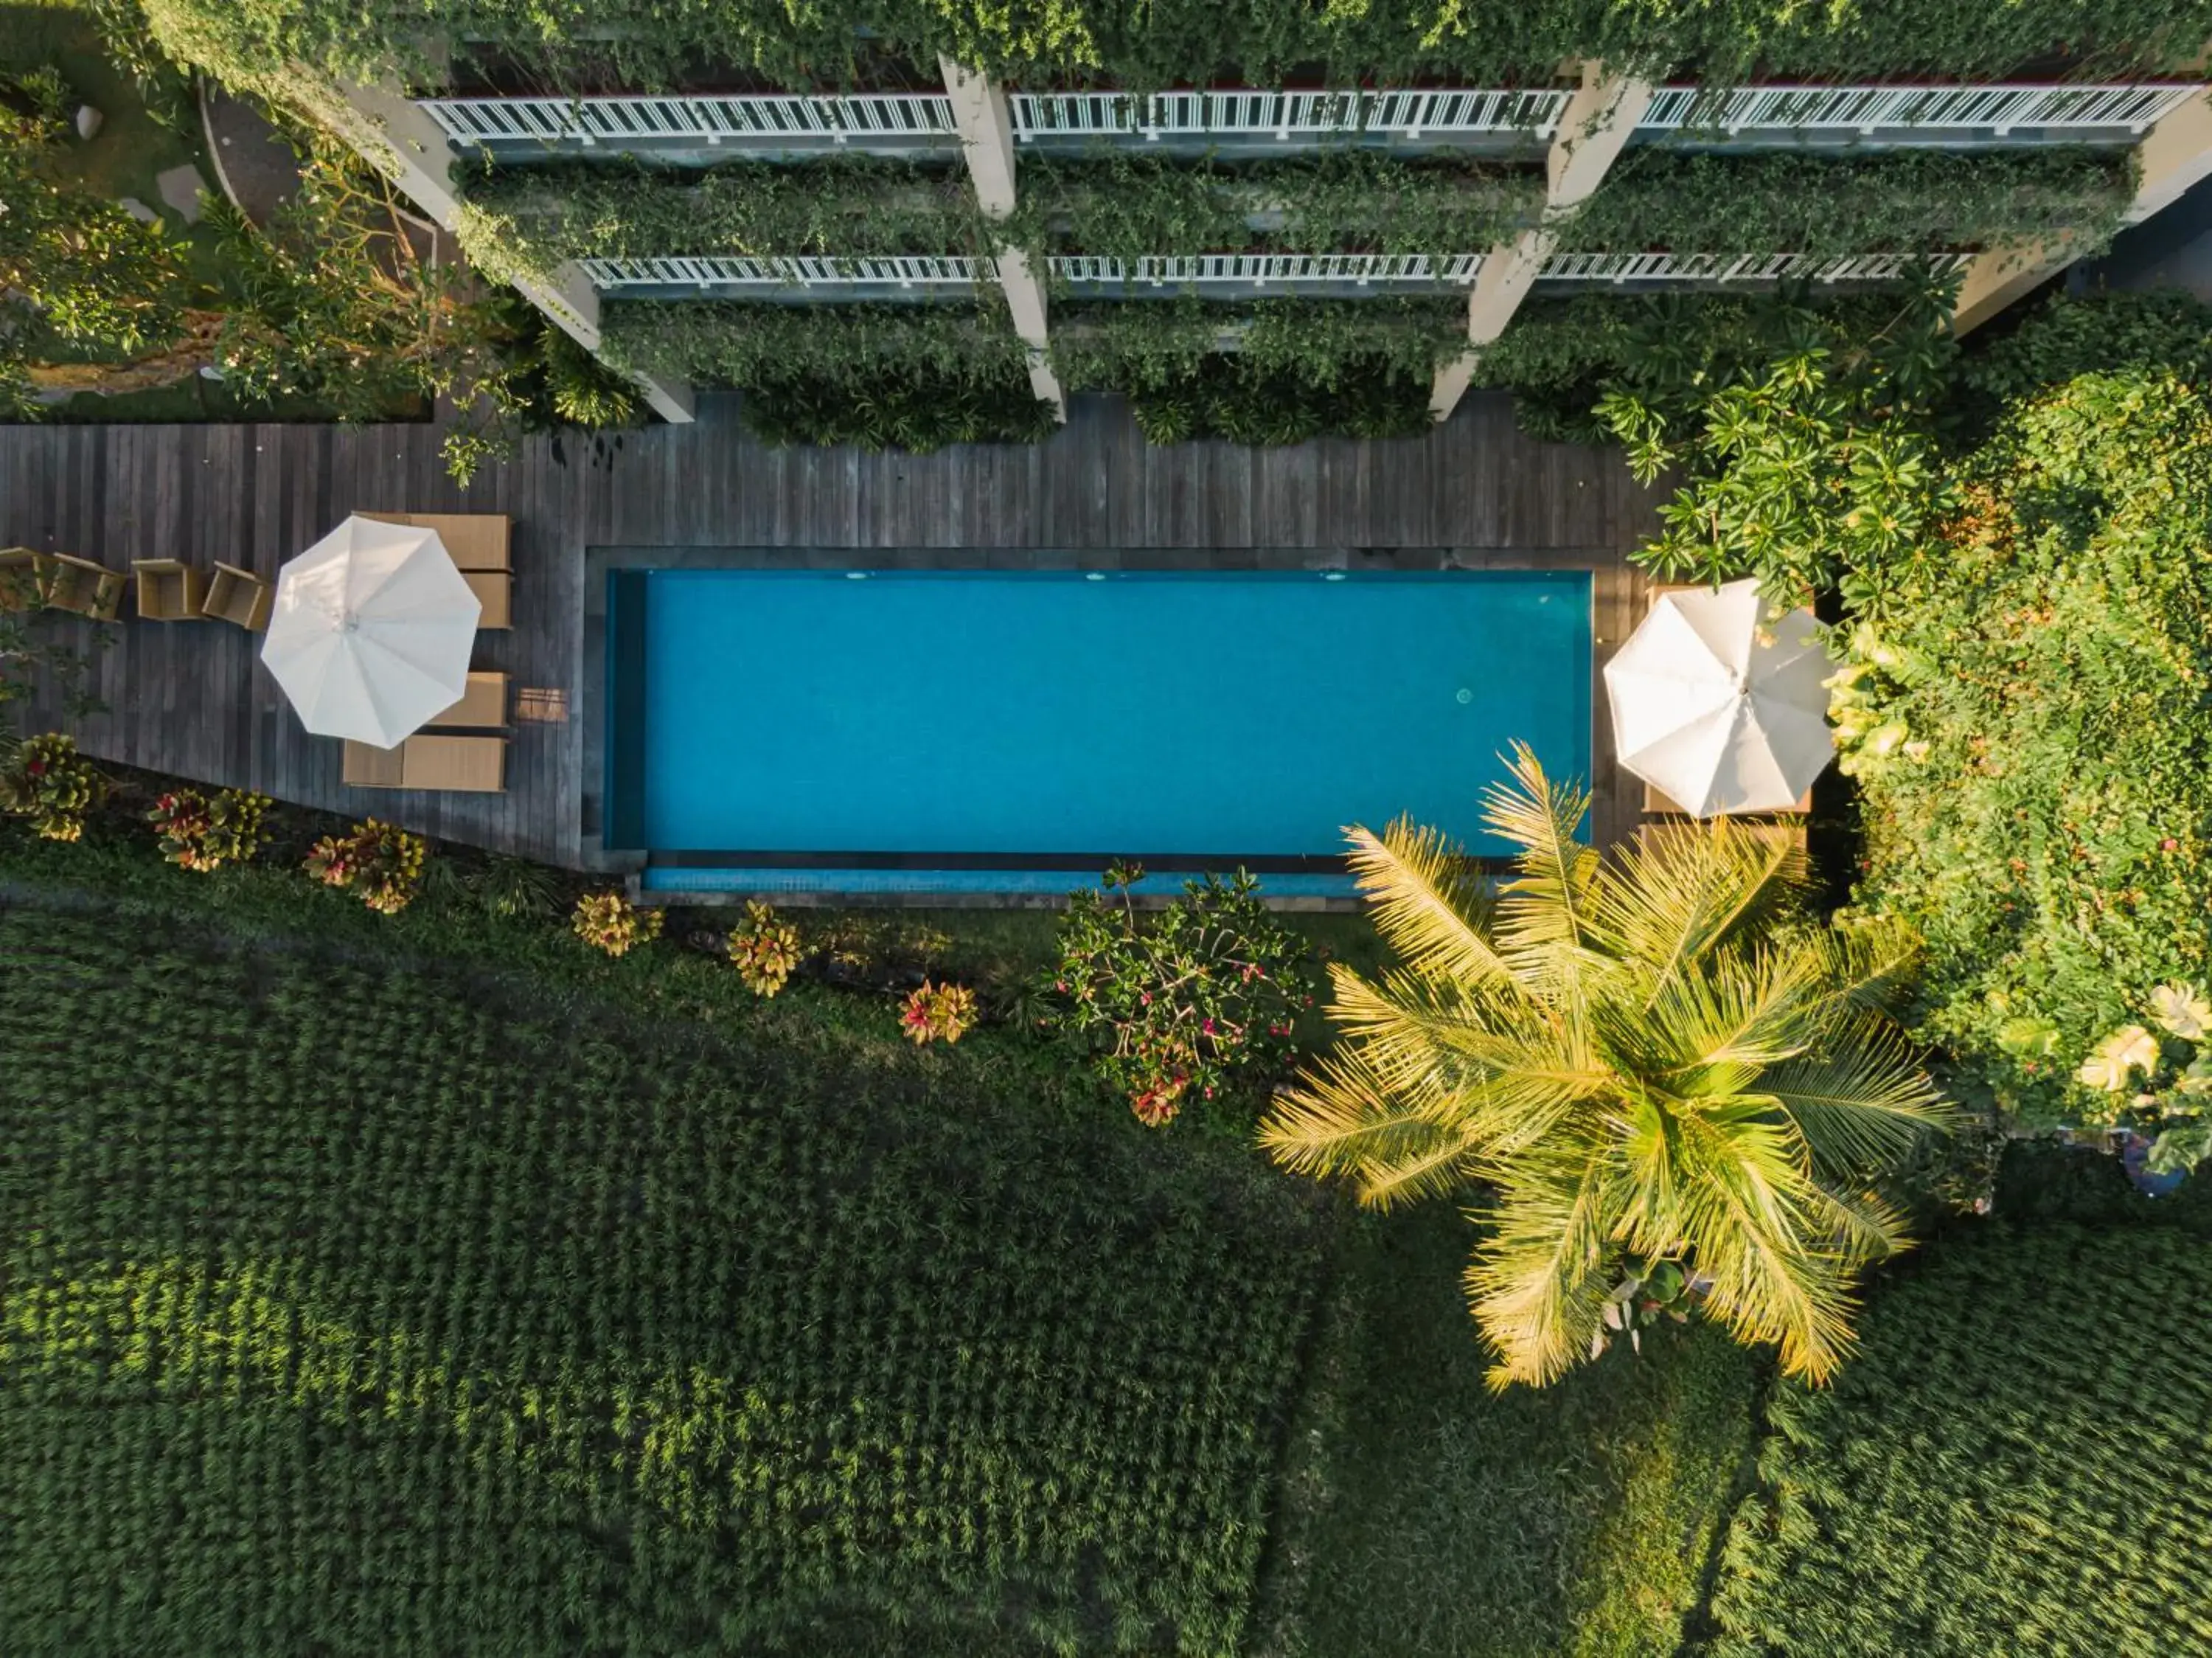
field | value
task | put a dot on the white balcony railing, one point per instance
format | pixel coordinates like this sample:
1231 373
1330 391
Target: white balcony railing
1738 267
739 274
623 122
1285 115
1869 109
1287 270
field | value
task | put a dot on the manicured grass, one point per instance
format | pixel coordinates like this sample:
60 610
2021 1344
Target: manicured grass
1430 1518
2017 1462
356 1306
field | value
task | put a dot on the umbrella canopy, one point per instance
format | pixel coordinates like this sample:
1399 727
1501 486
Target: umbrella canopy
371 631
1719 708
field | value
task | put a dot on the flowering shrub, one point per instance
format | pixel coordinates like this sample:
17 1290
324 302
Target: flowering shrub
203 834
765 948
53 785
382 863
937 1011
610 922
1204 993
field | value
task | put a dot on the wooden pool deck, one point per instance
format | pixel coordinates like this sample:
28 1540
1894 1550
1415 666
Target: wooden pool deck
191 699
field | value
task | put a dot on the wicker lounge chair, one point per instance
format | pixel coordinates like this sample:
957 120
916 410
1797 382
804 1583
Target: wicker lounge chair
475 541
168 589
474 765
483 707
22 579
82 587
239 596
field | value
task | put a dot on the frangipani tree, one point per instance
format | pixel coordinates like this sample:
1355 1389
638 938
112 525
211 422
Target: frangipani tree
1656 1066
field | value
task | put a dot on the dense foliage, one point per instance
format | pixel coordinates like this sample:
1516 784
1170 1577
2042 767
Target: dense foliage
1908 201
1227 398
2014 1464
827 348
537 216
916 411
1654 1069
379 863
204 832
2158 1079
2158 330
2028 731
1155 43
504 1328
1149 346
1128 207
1180 1005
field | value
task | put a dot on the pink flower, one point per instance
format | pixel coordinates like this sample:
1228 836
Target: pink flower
1207 1027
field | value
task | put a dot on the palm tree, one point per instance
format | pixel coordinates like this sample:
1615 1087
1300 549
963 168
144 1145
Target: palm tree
1659 1060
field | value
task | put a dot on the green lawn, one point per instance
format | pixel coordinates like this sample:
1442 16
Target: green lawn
444 1230
1431 1518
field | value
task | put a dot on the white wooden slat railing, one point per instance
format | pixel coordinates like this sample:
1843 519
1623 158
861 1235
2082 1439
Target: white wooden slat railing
618 122
1271 270
1229 112
1868 109
1737 268
739 273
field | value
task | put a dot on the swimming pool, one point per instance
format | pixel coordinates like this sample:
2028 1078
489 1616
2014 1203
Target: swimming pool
948 731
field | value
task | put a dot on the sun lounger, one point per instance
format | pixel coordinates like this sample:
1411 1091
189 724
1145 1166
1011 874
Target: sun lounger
239 596
483 707
82 587
168 589
494 591
449 764
475 541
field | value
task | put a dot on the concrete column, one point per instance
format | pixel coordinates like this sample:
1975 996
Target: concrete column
987 142
394 135
2175 154
1593 127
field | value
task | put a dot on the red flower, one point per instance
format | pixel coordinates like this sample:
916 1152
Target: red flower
1207 1027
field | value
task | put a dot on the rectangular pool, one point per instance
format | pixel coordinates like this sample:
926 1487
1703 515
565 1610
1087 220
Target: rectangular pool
963 730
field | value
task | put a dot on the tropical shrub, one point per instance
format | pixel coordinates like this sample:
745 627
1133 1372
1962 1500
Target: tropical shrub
859 348
1187 1002
938 1012
1659 1061
48 782
610 922
1814 468
514 887
1316 344
203 833
2158 330
379 863
842 1346
2009 1465
765 948
2170 1099
2027 724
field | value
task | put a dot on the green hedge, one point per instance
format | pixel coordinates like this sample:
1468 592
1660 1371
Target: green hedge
1155 43
1132 345
2028 728
917 413
727 343
2162 331
2015 1463
1227 398
1128 207
845 205
1905 201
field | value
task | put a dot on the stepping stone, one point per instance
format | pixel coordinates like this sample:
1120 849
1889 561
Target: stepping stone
181 187
88 121
138 211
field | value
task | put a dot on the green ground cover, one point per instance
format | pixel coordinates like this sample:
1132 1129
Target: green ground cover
2016 1461
359 1309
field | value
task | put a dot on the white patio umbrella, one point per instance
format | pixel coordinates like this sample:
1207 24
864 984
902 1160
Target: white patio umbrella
1719 708
371 631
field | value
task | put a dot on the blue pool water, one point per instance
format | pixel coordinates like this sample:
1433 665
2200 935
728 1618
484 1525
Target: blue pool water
1216 715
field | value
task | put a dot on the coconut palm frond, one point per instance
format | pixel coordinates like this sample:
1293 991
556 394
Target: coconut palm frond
1868 962
1425 904
1542 913
1343 1121
1538 1282
1680 891
1862 1105
1745 1010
